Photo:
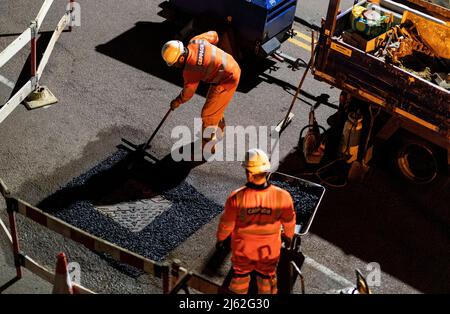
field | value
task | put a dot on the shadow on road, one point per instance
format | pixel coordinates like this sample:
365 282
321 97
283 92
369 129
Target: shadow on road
118 183
142 51
140 47
403 227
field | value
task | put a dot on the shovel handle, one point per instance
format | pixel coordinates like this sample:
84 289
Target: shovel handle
157 128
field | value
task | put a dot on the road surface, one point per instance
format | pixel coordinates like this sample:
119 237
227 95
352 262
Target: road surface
112 84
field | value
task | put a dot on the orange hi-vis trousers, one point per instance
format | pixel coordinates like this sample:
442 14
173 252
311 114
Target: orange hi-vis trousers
217 100
266 275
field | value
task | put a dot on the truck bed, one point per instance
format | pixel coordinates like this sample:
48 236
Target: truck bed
394 89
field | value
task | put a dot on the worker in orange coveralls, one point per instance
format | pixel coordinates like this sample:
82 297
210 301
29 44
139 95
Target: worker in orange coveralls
253 216
201 60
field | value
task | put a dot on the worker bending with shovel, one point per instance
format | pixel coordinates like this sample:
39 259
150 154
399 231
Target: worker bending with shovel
202 60
253 216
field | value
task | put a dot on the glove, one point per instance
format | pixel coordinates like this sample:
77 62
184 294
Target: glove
174 104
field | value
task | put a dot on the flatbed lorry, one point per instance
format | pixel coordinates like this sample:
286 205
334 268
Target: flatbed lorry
414 112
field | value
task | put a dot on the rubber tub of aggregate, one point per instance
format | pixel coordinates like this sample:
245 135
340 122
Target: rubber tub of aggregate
306 195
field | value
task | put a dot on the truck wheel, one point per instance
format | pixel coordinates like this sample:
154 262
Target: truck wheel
417 161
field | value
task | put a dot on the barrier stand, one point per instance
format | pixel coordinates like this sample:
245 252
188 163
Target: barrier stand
41 96
35 96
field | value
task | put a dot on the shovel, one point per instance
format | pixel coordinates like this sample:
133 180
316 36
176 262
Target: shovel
140 150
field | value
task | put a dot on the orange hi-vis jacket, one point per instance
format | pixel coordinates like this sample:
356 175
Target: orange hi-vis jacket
254 217
209 64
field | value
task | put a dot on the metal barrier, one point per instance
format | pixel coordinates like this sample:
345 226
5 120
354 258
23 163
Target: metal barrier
30 35
181 278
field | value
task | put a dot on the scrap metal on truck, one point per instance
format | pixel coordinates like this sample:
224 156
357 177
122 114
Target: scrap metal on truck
391 59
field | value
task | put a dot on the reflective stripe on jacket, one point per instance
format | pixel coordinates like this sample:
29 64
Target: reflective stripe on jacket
207 63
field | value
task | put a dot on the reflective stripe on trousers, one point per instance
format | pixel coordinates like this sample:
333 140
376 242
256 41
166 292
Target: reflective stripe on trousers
266 285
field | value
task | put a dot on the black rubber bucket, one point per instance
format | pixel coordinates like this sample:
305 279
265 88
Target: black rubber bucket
306 195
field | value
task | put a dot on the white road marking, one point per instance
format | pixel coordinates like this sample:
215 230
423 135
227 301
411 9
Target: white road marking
7 82
328 272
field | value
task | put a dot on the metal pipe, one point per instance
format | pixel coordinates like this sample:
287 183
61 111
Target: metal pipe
299 272
400 8
33 56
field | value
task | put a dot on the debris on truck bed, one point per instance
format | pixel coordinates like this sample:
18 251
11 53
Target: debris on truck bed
412 42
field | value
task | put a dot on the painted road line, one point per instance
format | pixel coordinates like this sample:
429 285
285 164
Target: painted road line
7 82
300 44
303 36
328 272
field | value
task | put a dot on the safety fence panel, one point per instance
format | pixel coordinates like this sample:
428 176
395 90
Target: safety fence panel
30 35
181 278
28 263
15 47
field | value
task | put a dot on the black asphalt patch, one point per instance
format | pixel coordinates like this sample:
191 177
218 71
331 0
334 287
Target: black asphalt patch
110 182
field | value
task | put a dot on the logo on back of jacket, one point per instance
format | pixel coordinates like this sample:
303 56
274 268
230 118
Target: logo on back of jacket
259 211
201 54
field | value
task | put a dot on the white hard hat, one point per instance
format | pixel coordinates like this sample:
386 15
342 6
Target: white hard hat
171 51
256 161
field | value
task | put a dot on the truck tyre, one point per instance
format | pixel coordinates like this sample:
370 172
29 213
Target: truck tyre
417 161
